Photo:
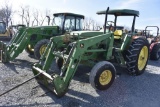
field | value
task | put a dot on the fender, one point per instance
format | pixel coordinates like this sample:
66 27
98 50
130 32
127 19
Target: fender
152 45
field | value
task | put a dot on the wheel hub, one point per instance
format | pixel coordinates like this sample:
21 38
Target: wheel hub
143 56
105 77
42 49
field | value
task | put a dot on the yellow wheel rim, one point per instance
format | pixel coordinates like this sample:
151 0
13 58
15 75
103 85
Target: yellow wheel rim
143 56
105 77
30 48
42 49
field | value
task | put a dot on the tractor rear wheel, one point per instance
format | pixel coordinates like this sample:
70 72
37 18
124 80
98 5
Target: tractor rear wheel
29 49
40 48
102 75
137 56
155 53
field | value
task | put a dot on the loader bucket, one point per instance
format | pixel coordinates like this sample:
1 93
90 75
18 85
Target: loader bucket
53 82
3 52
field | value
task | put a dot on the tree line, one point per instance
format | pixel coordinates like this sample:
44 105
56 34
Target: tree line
34 17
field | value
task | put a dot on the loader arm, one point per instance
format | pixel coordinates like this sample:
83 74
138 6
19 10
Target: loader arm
80 47
17 44
61 82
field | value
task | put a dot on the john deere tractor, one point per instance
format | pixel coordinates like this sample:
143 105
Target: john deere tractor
35 39
96 49
15 28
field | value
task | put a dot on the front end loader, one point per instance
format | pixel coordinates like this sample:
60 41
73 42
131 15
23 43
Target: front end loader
35 39
93 48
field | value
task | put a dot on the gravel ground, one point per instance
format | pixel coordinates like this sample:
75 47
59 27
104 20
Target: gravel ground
126 91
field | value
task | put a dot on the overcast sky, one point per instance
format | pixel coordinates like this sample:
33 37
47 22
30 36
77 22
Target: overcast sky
149 9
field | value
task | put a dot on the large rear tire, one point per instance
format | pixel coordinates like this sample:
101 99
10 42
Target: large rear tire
155 53
102 75
40 48
137 56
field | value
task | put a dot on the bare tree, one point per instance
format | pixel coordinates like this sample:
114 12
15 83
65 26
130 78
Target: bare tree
91 24
46 15
2 14
40 17
6 13
36 17
25 14
97 26
22 14
86 24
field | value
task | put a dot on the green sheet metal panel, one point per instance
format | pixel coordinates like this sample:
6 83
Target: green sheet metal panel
120 12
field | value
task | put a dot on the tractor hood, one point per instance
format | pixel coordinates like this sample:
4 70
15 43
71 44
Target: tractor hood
43 27
86 33
45 30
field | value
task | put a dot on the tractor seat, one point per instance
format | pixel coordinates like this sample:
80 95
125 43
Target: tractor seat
117 34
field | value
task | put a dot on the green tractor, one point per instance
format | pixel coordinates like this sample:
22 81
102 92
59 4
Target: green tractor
35 39
15 28
93 48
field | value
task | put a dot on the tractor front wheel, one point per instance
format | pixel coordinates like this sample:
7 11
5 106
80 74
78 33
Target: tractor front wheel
40 48
102 75
137 56
155 53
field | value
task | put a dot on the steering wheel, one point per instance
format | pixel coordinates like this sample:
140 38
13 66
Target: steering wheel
110 22
110 25
111 28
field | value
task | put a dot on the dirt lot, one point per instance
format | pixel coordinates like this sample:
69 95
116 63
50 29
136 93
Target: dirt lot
126 91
